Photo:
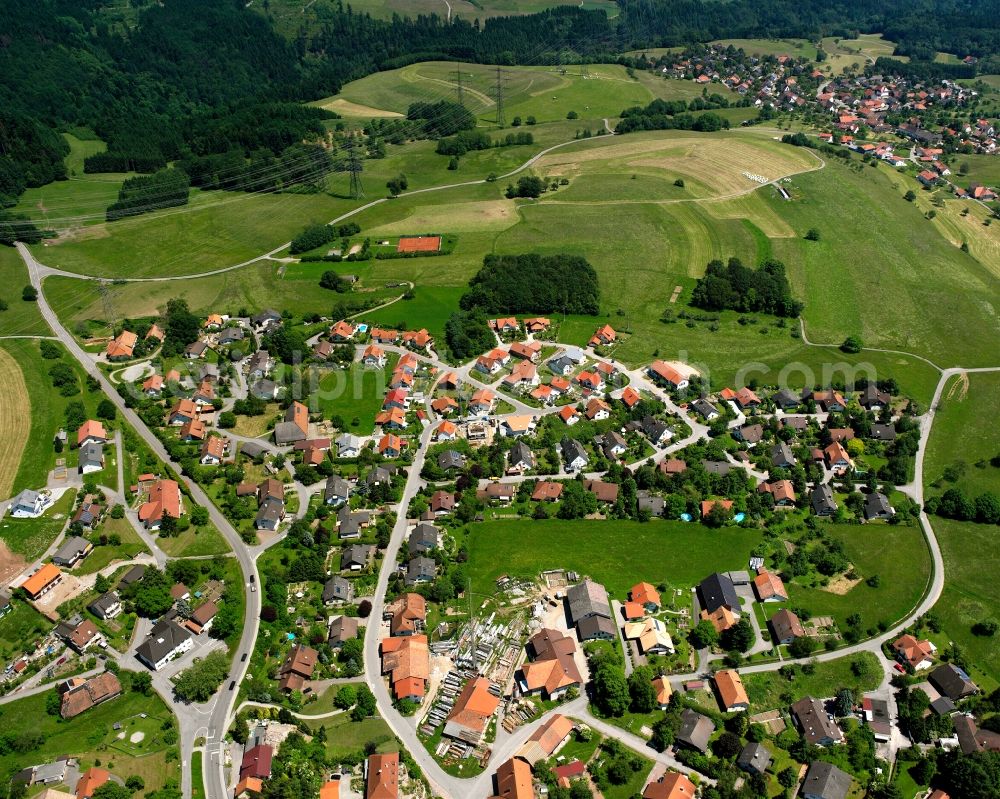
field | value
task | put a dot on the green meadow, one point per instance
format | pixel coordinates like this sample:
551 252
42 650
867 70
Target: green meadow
960 448
21 318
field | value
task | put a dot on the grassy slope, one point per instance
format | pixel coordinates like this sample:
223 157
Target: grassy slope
47 407
971 559
31 537
21 318
882 271
903 577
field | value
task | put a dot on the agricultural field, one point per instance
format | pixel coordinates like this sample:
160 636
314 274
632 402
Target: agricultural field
853 54
910 290
13 402
958 453
89 737
958 449
22 318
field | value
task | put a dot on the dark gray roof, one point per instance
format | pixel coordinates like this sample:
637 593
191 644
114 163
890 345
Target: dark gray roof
872 396
269 513
163 639
587 599
423 538
952 681
716 591
287 433
420 569
883 432
596 627
70 550
653 428
336 488
754 757
101 605
612 441
695 730
561 364
356 554
876 504
943 706
782 455
92 452
705 408
264 388
133 575
650 502
817 727
822 500
338 588
786 399
253 449
521 453
572 450
717 467
451 459
826 781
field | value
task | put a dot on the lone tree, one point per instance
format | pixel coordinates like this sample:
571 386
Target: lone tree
812 234
852 344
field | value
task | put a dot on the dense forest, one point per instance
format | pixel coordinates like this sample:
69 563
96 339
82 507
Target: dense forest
534 284
733 286
210 84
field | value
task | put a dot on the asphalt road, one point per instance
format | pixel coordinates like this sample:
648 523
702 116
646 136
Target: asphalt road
192 720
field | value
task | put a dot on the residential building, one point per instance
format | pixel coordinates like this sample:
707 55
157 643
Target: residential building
166 641
786 627
754 758
952 681
769 587
256 762
72 551
382 776
914 652
552 669
342 629
825 781
823 503
695 730
730 692
406 660
716 591
42 581
815 723
164 500
80 695
672 785
298 667
107 606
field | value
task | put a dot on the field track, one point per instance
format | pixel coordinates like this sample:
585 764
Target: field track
14 409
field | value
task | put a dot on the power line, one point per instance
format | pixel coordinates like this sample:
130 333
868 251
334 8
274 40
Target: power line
354 167
458 82
498 91
110 311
